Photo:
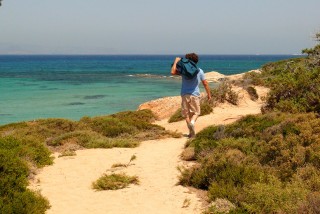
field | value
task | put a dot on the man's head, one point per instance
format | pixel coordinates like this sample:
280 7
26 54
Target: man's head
193 57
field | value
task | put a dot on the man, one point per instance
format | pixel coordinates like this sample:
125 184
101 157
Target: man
190 93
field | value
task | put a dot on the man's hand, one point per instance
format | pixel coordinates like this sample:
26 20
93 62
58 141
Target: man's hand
174 66
206 86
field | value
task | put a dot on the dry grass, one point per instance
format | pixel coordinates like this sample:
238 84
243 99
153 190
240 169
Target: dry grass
114 182
133 157
67 153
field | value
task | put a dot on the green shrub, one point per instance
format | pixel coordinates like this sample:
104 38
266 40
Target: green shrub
224 93
137 118
206 107
27 149
252 93
14 173
114 182
177 116
111 127
15 158
229 179
248 160
254 78
294 86
294 83
124 129
27 202
127 125
58 124
273 197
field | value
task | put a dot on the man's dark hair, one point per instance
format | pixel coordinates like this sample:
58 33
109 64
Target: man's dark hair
193 57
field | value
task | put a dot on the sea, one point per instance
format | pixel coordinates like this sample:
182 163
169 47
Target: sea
74 86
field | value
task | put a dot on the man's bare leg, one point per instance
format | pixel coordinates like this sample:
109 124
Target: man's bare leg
190 120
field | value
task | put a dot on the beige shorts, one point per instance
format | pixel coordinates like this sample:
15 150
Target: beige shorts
190 105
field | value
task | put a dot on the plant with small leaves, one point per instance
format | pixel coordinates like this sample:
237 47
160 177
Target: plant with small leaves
133 157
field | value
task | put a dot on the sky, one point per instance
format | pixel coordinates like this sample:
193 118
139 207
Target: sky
158 27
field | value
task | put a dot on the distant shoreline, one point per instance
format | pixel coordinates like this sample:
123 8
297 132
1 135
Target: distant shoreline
152 55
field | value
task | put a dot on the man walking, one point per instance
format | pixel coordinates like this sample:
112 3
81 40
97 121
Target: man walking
190 93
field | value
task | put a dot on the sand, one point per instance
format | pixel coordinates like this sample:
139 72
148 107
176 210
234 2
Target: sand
67 183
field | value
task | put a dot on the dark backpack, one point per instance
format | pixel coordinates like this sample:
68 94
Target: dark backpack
187 68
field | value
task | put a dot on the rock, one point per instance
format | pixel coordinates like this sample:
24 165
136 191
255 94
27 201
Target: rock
163 107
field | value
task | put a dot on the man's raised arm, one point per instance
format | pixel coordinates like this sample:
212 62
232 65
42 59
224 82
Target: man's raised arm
174 66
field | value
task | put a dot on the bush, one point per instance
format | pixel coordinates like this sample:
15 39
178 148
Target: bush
177 116
224 93
273 197
114 182
15 158
30 150
264 164
294 83
111 127
253 78
230 180
252 93
294 86
90 139
124 129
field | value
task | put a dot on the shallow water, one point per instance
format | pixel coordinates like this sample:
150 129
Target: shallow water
33 87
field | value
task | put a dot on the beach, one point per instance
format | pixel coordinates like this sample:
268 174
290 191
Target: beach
67 183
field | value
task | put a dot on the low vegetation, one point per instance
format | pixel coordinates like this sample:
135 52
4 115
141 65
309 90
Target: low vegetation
267 163
294 83
17 158
67 153
114 182
224 93
26 146
133 157
264 164
124 129
252 93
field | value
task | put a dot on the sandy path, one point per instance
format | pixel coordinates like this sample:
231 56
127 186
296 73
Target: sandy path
67 183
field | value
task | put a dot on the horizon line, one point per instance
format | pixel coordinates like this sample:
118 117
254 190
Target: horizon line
123 54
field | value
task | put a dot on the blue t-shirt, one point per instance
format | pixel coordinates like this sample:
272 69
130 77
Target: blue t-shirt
192 86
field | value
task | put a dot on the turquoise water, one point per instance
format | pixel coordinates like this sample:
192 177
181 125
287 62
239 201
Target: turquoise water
33 87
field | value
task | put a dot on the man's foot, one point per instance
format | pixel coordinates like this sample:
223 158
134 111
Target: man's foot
191 130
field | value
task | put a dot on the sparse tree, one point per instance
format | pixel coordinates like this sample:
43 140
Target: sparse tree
314 53
318 37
